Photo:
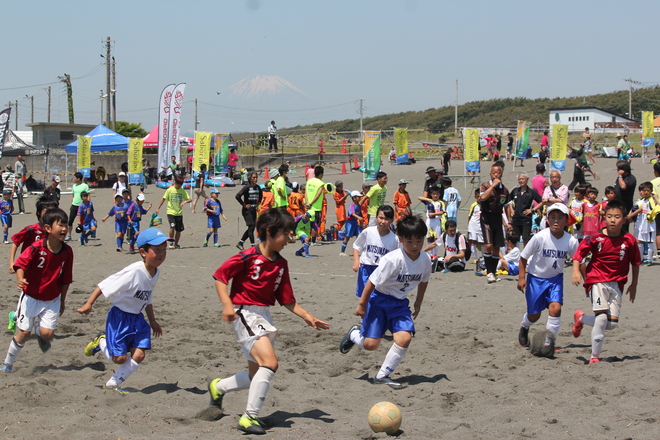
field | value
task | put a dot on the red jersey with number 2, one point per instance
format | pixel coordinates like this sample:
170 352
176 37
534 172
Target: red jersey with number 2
257 281
611 258
45 272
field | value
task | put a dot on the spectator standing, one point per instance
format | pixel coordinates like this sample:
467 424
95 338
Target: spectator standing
272 137
520 211
493 196
625 186
20 170
434 179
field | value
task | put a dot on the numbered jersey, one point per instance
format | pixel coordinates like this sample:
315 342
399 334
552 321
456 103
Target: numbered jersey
397 275
28 235
45 271
373 246
546 254
257 281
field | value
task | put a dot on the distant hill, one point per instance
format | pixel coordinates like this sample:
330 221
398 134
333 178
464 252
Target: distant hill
499 112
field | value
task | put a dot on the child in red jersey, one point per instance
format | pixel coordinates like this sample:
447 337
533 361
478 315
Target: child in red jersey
591 213
29 234
610 195
43 271
612 252
260 277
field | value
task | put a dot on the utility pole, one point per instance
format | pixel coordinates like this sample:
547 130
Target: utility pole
102 98
108 68
31 98
196 121
48 92
66 79
630 81
114 96
16 118
456 112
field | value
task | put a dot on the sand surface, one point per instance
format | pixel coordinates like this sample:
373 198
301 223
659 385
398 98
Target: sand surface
466 376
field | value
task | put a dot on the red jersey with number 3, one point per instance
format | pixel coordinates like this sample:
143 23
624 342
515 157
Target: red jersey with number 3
45 272
28 235
611 258
257 281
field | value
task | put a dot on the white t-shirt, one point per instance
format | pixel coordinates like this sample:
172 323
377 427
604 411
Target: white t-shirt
513 257
373 246
451 197
118 187
546 255
450 247
576 207
131 288
644 229
474 225
397 275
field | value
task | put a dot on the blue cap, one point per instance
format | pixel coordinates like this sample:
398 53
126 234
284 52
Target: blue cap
214 190
152 236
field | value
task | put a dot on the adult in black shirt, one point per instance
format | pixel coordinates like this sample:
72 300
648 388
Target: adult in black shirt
249 197
520 211
493 196
625 186
434 179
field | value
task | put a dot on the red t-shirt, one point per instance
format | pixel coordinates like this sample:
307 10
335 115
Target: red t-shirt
28 235
610 258
590 218
45 271
257 281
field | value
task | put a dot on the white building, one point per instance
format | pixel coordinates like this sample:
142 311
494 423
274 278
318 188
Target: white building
579 118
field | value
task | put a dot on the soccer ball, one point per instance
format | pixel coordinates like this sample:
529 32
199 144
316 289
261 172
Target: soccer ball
385 417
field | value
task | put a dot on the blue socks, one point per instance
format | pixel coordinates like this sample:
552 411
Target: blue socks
119 242
343 247
215 238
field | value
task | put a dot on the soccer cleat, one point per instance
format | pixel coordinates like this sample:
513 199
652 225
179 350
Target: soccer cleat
491 278
6 368
299 253
250 425
12 321
216 396
67 238
118 249
170 246
594 361
206 243
307 255
523 336
93 347
240 247
5 242
217 245
346 344
388 381
343 254
648 263
117 389
176 246
577 323
44 345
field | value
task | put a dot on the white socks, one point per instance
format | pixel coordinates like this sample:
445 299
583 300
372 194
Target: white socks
14 349
103 345
124 370
357 338
598 335
526 322
392 360
553 326
240 381
258 389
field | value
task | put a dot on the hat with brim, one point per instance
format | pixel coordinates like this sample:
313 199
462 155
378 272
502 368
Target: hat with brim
152 236
557 207
430 169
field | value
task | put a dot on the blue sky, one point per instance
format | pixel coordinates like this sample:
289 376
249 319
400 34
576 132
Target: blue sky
396 55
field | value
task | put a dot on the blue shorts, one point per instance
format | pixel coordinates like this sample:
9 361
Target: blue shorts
124 331
302 238
213 221
363 274
6 219
136 227
541 292
352 229
121 227
88 226
513 269
385 312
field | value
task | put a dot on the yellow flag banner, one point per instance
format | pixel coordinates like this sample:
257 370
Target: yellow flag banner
401 143
371 154
135 147
85 155
648 136
559 146
202 150
471 136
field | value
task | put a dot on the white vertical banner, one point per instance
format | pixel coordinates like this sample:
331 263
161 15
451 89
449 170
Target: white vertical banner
175 121
164 105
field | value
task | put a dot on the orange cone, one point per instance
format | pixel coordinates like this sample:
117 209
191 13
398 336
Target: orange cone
343 168
343 146
306 168
355 163
266 174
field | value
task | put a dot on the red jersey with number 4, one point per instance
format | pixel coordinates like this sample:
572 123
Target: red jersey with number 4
45 272
257 281
28 235
610 258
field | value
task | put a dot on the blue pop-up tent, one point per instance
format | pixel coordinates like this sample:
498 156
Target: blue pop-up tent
103 139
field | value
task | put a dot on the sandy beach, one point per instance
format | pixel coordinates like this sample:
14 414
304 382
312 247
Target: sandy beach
466 376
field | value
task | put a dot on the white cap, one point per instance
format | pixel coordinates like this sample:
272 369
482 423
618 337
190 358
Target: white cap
356 194
140 197
121 174
557 206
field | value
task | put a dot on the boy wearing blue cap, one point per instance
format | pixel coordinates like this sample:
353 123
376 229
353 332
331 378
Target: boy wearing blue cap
127 335
213 210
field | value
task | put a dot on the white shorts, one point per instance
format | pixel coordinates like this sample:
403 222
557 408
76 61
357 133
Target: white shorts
44 312
476 236
252 323
606 296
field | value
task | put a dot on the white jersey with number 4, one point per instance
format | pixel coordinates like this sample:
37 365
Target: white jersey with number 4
397 275
373 246
546 254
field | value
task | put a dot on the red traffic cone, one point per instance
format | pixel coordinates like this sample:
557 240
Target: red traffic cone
343 168
355 163
266 174
306 168
343 146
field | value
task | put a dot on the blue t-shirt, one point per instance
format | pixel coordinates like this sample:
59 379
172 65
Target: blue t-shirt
87 211
119 211
215 206
135 212
6 207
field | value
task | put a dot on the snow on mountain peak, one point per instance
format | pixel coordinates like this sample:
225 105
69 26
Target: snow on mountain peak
256 87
